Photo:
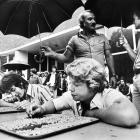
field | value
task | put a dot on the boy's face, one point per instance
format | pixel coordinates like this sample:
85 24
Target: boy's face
80 91
19 92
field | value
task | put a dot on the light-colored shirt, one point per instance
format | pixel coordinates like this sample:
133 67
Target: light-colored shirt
91 48
101 100
39 93
52 79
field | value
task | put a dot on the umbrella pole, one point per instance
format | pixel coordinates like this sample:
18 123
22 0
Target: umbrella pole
134 37
40 45
39 67
41 58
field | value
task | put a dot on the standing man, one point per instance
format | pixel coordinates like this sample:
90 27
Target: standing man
87 43
52 81
136 59
62 84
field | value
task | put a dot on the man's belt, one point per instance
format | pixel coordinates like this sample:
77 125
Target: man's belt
137 71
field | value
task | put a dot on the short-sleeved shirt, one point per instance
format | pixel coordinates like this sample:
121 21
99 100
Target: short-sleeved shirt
92 48
100 100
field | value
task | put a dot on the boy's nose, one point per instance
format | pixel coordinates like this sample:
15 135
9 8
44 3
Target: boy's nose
71 88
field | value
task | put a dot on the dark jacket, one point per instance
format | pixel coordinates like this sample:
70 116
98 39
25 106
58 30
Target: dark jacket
56 80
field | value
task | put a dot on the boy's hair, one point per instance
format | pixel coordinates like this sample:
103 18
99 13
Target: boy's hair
82 17
10 79
87 70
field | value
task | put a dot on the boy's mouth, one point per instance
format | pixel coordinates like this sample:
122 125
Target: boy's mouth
74 96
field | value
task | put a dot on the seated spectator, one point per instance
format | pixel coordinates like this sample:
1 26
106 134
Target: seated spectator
88 97
15 84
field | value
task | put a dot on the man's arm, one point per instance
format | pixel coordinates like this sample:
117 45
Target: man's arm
66 57
122 113
110 61
131 53
125 44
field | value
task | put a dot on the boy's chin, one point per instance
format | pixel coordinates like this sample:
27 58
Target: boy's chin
75 98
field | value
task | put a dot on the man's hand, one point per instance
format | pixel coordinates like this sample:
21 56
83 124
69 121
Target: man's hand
123 41
47 51
35 111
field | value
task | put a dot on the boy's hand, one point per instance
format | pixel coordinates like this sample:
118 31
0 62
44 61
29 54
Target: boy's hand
35 111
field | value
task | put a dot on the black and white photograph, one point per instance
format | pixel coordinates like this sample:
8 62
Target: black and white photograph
70 69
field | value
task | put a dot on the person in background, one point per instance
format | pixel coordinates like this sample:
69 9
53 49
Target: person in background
123 87
46 73
34 78
135 57
88 97
87 43
52 81
13 83
62 84
42 77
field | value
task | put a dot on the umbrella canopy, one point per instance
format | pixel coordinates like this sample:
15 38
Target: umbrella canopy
111 12
16 65
22 16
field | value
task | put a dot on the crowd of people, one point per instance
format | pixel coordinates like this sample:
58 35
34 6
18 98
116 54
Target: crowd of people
87 92
56 80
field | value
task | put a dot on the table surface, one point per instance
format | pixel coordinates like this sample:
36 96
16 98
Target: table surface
97 131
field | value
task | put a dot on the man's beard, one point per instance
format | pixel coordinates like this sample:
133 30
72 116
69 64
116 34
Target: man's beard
92 31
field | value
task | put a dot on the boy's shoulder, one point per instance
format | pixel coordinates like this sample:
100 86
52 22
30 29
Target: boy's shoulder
112 92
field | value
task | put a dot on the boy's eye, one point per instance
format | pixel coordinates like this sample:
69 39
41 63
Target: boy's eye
77 84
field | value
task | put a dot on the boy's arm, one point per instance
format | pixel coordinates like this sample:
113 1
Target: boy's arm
50 107
6 104
122 113
38 110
